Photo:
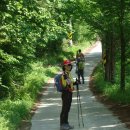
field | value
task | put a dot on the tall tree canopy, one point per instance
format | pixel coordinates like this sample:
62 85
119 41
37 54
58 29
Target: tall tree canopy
32 28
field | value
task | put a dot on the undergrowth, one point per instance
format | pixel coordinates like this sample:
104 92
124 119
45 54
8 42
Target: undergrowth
111 91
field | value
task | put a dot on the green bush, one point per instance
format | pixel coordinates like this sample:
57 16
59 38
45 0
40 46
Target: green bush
111 91
13 112
3 123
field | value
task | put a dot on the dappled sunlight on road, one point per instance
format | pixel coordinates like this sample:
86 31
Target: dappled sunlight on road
106 127
48 105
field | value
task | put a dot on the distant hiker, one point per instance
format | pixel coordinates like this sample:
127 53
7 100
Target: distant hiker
67 83
79 54
80 61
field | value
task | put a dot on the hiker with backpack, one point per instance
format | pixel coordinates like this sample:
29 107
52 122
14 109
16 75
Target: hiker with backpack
80 61
67 85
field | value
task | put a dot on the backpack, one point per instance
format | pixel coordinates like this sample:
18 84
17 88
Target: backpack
81 65
58 83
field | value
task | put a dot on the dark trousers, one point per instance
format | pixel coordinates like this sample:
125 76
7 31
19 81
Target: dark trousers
66 104
81 74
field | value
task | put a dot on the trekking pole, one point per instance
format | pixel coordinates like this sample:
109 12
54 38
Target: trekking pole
79 104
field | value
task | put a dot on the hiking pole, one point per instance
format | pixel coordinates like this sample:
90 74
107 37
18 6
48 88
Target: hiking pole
79 104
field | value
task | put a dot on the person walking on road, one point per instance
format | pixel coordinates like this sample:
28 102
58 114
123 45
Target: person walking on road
80 61
67 83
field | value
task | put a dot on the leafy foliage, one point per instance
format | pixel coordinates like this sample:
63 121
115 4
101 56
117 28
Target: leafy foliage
26 28
111 91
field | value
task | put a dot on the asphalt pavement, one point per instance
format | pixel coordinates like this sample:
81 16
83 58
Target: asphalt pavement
94 115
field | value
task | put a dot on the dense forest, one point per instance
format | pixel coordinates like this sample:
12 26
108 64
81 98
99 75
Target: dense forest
33 38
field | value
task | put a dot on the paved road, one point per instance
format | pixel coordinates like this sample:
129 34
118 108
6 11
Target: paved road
95 115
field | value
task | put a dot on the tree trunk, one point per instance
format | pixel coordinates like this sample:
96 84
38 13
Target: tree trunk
107 65
123 44
112 57
110 63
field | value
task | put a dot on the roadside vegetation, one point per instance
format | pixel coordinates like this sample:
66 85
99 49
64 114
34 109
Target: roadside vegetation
109 90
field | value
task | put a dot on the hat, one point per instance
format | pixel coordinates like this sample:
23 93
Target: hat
66 62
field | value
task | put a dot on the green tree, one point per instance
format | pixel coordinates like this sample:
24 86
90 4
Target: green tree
110 20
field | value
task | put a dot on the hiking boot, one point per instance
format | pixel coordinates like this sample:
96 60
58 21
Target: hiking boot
79 81
70 126
64 127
